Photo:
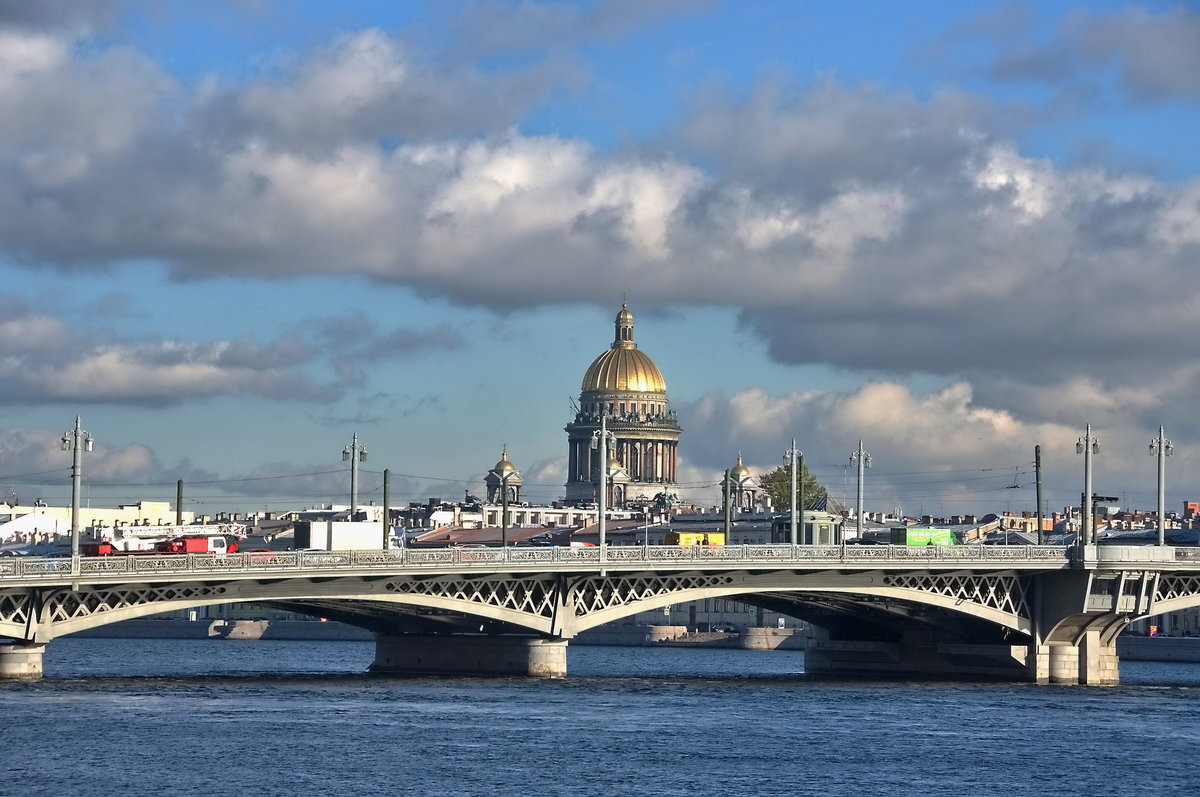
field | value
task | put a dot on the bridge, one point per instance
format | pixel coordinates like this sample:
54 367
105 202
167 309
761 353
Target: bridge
1048 614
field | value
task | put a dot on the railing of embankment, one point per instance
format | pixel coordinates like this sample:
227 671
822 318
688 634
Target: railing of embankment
521 558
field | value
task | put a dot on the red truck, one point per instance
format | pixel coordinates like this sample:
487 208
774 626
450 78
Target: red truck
199 544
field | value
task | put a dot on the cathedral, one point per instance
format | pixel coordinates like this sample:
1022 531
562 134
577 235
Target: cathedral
624 385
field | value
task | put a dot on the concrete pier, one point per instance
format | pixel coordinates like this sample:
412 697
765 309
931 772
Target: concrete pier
21 661
918 653
470 655
1091 663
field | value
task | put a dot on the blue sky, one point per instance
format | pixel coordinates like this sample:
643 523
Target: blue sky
232 235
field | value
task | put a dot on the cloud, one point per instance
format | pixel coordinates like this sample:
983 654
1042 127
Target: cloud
852 226
943 451
1153 55
367 84
43 360
1156 55
359 338
58 15
35 457
492 27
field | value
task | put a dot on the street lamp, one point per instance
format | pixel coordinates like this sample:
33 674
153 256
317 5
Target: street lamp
797 508
1087 445
354 454
1162 447
601 438
863 459
78 441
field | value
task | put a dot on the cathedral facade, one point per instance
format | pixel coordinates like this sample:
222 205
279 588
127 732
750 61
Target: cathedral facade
625 386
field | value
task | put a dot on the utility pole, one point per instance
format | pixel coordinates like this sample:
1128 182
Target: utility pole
354 454
387 513
863 459
1087 445
1037 469
1162 447
800 498
600 441
728 508
791 454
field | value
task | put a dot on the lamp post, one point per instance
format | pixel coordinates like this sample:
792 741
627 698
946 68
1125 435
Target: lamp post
863 459
600 440
791 455
1087 445
77 441
1162 447
354 454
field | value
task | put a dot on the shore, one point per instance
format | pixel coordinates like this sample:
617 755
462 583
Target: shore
1129 648
313 630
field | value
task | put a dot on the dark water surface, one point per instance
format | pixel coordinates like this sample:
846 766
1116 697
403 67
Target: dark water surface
200 717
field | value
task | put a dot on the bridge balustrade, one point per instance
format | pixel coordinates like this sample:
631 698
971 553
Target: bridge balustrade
487 557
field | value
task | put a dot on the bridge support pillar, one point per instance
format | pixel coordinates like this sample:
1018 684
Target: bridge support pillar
916 654
1090 663
465 654
18 660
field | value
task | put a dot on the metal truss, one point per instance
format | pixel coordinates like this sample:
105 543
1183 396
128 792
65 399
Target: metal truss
1004 593
538 597
44 614
1177 588
564 601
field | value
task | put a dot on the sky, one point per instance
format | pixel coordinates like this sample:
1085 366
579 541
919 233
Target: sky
235 235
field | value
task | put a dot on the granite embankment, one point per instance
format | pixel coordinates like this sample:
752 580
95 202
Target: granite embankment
620 635
1130 648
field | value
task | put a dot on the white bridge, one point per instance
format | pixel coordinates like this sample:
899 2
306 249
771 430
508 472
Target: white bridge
1040 613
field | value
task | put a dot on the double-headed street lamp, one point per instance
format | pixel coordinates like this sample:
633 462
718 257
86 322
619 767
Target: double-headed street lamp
354 454
1162 447
1087 445
601 438
78 441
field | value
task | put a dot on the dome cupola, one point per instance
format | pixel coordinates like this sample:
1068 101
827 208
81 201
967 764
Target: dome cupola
624 367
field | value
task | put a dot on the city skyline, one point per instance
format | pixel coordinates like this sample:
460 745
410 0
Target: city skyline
234 236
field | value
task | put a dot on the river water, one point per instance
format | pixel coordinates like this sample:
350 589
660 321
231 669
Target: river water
198 717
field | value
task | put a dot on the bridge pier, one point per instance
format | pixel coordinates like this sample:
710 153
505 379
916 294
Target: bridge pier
917 653
21 660
468 654
1092 662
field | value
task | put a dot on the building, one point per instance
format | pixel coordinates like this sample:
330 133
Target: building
503 481
625 386
44 524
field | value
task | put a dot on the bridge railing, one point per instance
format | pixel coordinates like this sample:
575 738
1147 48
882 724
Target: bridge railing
651 556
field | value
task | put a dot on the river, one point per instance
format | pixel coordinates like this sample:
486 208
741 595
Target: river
197 717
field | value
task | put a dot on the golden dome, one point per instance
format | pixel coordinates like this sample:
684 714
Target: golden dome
623 367
739 471
504 465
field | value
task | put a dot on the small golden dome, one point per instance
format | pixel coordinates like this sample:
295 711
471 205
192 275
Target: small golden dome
504 466
623 367
739 471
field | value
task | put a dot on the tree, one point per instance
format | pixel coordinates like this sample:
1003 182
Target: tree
778 485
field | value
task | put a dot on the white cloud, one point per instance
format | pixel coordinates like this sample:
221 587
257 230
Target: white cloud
851 226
